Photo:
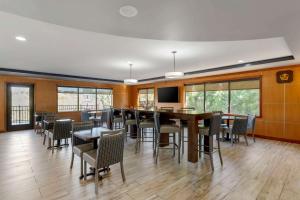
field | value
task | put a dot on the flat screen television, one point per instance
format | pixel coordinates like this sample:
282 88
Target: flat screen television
168 95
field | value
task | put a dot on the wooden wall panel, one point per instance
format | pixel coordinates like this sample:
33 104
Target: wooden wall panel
280 102
45 94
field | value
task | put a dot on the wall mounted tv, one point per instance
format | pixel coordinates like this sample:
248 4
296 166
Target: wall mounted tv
168 95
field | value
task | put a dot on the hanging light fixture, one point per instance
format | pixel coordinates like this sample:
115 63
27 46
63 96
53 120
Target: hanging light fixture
174 74
130 80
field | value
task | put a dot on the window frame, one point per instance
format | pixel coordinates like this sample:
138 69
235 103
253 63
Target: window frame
258 78
78 93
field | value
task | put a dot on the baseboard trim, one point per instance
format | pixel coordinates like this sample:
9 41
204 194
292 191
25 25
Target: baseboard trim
278 139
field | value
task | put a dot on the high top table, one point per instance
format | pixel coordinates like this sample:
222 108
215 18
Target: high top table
192 118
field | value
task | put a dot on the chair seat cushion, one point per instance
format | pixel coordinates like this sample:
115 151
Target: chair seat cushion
130 122
169 128
118 120
147 124
90 157
80 149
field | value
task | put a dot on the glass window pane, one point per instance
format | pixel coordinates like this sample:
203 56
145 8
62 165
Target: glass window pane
194 97
216 97
146 98
67 99
245 97
87 102
195 100
104 98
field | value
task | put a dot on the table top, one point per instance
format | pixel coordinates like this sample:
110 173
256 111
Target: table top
87 135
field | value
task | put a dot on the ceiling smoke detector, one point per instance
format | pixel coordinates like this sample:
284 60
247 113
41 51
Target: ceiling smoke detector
128 11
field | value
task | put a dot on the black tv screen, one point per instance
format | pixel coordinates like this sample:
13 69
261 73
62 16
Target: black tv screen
168 95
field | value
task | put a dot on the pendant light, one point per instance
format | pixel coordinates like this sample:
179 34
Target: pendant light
174 74
130 80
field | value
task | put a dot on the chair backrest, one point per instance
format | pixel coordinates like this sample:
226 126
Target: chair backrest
251 123
215 124
80 126
156 121
62 129
84 116
104 115
110 148
240 125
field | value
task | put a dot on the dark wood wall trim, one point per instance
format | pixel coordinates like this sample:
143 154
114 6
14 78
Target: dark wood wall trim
19 71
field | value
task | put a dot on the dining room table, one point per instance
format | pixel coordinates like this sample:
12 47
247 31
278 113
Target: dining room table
192 118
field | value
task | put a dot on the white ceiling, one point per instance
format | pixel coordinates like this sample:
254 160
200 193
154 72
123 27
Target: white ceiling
90 38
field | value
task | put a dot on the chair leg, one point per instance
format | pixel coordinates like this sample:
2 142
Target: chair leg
84 170
122 171
246 140
72 160
126 131
96 180
253 136
174 147
81 165
52 145
200 145
219 150
44 139
179 146
137 140
182 140
231 137
211 161
153 138
157 149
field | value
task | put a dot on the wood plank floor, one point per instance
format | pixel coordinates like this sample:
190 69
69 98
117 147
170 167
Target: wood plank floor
263 170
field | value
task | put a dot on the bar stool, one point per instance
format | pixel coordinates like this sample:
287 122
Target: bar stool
141 126
166 129
116 119
213 129
127 122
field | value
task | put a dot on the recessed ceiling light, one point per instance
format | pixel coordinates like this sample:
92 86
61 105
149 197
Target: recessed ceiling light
240 61
128 11
21 38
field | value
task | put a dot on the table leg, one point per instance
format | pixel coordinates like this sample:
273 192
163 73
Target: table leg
193 132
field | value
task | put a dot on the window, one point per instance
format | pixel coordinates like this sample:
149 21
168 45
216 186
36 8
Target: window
146 98
245 97
67 98
216 97
79 99
194 97
104 98
87 99
238 97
